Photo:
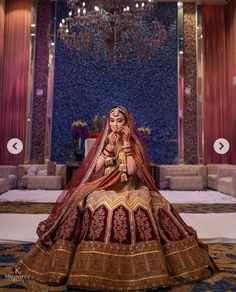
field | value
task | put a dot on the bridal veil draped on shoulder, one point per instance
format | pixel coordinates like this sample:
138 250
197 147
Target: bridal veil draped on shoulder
112 231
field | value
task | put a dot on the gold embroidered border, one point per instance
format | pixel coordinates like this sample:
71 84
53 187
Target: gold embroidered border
61 249
111 204
181 250
119 255
136 254
116 248
139 279
39 273
164 280
48 252
119 280
43 251
190 272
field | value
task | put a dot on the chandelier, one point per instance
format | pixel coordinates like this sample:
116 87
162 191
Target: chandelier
112 29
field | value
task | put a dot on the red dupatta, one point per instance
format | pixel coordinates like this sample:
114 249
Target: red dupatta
82 182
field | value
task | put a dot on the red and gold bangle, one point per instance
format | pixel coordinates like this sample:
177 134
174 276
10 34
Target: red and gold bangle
106 152
108 148
129 154
126 146
103 155
130 149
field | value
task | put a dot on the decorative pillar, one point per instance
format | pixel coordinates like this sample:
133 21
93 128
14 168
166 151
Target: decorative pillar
190 88
39 110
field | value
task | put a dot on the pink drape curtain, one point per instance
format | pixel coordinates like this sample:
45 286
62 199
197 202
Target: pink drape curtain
15 66
230 16
218 103
2 24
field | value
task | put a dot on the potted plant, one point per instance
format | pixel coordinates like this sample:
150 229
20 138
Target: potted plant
79 132
145 133
96 126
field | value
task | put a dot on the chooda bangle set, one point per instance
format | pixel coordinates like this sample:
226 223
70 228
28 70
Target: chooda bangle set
107 154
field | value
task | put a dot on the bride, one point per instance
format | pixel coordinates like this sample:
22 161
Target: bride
111 229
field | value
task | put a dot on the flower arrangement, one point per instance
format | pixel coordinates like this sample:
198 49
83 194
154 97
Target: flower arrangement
145 133
79 132
79 129
97 123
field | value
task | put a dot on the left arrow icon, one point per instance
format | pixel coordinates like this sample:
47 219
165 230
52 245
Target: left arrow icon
14 146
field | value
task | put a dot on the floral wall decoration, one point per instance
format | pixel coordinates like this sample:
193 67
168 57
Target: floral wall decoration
84 88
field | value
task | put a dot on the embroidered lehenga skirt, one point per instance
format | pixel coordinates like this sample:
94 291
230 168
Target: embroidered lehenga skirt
126 238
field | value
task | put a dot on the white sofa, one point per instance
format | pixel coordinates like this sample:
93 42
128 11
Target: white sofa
182 177
3 181
227 179
35 176
212 176
8 177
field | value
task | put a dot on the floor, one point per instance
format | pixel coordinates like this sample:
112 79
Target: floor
214 227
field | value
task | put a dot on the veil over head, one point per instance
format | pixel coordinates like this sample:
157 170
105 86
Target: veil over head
85 171
82 183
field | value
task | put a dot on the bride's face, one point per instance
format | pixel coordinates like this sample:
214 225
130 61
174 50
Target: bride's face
117 122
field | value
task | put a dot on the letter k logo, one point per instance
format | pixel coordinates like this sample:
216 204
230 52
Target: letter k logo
17 271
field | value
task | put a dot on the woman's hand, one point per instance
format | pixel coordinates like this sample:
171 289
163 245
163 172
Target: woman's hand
126 134
112 139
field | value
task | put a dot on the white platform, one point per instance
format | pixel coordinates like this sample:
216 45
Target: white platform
212 227
200 197
19 228
220 227
37 196
206 197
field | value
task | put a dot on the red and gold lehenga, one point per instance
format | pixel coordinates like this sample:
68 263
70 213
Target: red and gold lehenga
104 234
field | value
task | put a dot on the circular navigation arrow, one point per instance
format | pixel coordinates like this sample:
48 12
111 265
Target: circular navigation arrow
221 146
14 146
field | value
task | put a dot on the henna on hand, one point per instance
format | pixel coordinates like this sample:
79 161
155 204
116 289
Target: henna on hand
112 139
126 134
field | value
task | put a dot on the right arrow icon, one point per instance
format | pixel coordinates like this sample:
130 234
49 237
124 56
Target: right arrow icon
221 146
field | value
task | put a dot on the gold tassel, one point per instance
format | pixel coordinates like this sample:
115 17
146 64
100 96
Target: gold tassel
122 156
122 167
108 161
124 177
107 170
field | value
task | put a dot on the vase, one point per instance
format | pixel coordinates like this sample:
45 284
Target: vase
93 135
80 150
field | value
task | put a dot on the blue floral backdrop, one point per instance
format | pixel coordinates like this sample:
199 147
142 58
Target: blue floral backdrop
148 89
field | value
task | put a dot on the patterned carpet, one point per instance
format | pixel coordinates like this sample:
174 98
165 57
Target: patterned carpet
25 208
44 208
223 254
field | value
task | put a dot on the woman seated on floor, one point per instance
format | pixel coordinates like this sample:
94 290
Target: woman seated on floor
111 229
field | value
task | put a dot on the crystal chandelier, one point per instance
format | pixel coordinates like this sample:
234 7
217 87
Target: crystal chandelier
112 29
